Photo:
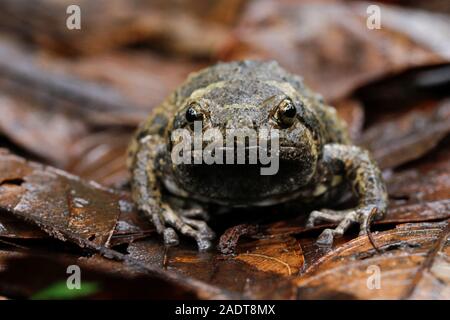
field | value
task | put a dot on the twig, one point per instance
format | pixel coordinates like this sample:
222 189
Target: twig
230 238
372 213
428 261
13 244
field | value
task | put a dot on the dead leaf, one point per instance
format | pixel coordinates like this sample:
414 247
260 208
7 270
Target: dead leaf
330 45
29 126
22 77
408 255
278 255
145 79
232 274
14 228
92 104
352 112
229 239
409 137
85 213
101 157
110 278
60 204
122 23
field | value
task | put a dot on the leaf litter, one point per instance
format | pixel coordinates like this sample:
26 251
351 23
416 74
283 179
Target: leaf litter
55 216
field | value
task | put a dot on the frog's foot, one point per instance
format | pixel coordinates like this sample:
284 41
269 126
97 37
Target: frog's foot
169 222
344 219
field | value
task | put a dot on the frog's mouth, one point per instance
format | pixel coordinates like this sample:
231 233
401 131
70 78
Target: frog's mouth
233 183
248 155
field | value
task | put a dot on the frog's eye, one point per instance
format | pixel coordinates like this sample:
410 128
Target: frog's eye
193 113
286 112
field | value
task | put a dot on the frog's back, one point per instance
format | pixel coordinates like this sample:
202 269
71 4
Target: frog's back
237 70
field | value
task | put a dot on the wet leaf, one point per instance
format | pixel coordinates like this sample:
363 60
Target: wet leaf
28 126
408 254
229 239
123 23
282 256
78 114
85 213
46 111
23 77
14 228
244 276
110 277
324 41
409 137
60 204
352 112
275 255
101 157
146 79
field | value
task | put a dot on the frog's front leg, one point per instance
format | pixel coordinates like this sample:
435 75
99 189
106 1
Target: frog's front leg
146 189
367 184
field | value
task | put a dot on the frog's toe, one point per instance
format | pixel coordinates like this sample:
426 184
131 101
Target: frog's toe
170 237
196 229
201 227
345 219
201 232
325 238
325 215
203 244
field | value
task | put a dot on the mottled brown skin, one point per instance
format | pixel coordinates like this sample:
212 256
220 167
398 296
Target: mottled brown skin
317 160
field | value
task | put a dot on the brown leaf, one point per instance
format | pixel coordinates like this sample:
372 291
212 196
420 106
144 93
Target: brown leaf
122 23
408 256
60 204
330 45
85 213
281 255
101 157
146 79
409 137
113 280
229 239
411 186
397 213
352 112
131 226
232 274
275 260
45 111
433 5
432 279
22 77
29 126
14 228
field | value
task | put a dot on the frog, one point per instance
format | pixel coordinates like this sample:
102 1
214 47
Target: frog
316 158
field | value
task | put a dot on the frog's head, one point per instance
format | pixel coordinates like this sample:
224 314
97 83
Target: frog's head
248 105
